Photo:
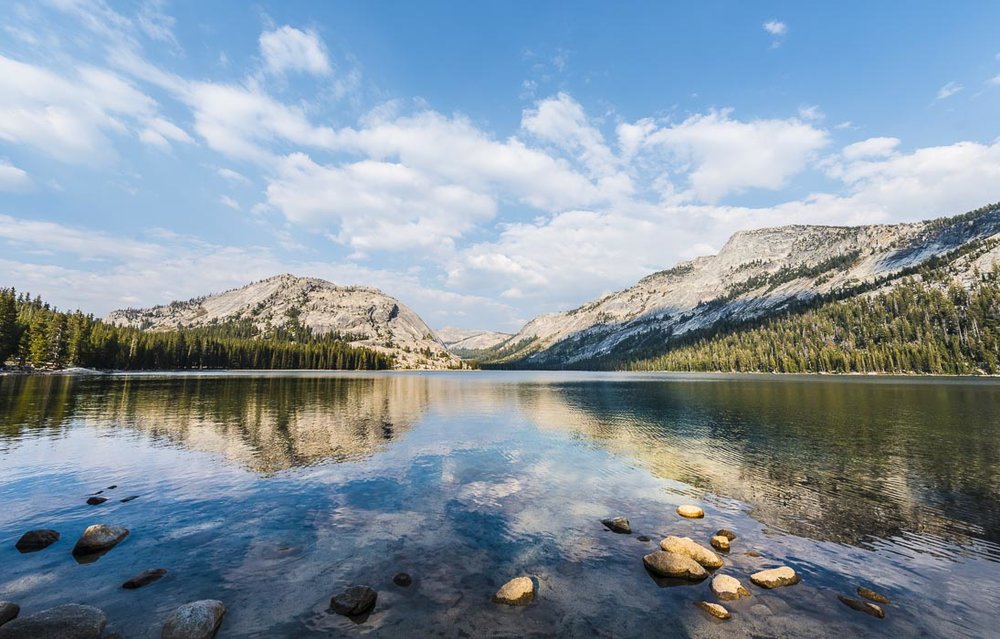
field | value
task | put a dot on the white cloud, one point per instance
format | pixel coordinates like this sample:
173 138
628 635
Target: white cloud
811 113
233 176
291 49
230 202
14 179
872 147
561 121
720 155
376 205
775 27
948 90
995 80
72 119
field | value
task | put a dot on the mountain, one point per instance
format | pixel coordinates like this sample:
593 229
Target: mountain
469 343
363 316
756 275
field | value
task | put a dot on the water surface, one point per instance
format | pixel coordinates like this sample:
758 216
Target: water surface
272 492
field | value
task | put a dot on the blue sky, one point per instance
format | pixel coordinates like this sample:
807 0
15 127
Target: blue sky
482 162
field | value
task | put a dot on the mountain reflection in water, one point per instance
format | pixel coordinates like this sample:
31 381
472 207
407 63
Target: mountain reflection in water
466 478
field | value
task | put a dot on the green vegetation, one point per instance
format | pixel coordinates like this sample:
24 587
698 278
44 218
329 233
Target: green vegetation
912 328
33 333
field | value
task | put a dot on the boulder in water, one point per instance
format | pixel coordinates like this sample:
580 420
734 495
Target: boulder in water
519 591
69 621
714 609
97 539
96 501
862 606
144 578
35 540
618 525
668 564
728 588
402 580
689 548
775 577
872 595
8 611
691 512
354 602
720 543
725 532
195 620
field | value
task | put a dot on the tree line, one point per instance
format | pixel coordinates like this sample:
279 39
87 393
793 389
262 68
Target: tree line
911 328
33 333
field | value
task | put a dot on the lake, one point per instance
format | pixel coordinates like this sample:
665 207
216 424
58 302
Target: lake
272 492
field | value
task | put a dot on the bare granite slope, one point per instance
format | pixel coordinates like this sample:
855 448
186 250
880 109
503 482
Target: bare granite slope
756 273
365 316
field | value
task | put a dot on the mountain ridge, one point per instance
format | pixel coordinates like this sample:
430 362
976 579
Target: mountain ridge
362 315
756 273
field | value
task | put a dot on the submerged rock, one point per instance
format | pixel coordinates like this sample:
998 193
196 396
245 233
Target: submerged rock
690 548
862 606
129 498
35 540
714 609
112 486
643 538
353 602
99 538
618 525
720 543
70 621
144 578
728 588
872 595
691 512
8 611
402 579
96 501
752 553
519 591
669 564
775 577
195 620
725 532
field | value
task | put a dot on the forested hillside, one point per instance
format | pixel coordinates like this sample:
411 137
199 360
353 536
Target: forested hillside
33 333
915 327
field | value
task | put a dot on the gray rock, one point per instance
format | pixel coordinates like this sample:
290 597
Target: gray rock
70 621
35 540
195 620
519 591
872 595
775 577
402 580
8 611
690 548
669 564
99 538
618 525
862 606
96 501
144 578
643 538
355 601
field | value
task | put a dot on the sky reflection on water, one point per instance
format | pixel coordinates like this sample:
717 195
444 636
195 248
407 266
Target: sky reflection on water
271 492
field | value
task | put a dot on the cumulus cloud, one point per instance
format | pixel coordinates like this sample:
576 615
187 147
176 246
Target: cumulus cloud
376 205
872 147
720 155
14 179
290 49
